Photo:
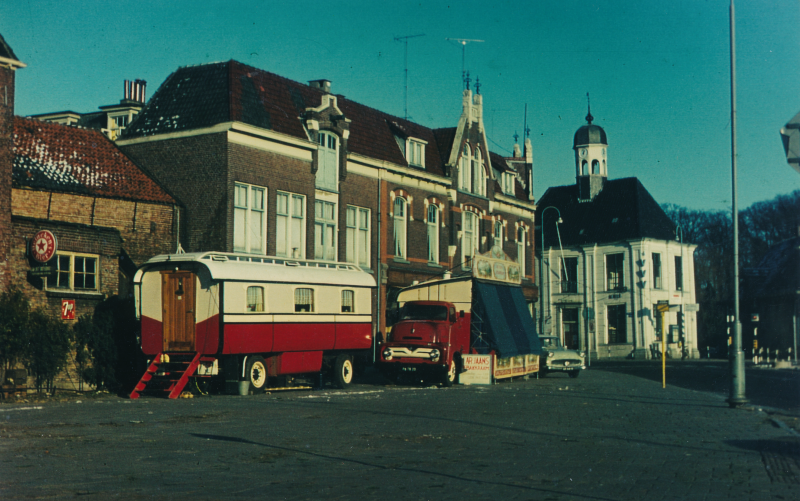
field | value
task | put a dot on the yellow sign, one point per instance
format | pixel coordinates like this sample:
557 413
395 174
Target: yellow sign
495 265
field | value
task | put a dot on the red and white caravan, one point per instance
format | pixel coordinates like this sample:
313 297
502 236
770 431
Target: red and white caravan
247 318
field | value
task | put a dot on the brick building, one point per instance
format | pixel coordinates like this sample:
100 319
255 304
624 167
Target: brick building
266 165
106 215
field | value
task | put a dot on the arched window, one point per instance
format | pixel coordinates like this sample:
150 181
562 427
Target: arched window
433 233
478 173
584 168
469 238
498 233
400 218
595 167
464 170
521 237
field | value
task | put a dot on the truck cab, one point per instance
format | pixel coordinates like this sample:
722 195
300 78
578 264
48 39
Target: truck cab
426 342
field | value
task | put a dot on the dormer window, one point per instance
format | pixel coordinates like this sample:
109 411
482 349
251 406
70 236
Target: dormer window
415 152
508 183
472 175
328 161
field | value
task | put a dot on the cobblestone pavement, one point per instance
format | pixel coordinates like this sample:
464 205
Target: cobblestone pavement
611 434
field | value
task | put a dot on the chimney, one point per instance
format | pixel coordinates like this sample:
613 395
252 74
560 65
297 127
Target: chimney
8 67
323 85
134 91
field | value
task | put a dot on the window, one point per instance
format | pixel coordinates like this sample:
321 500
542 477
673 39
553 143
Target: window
656 270
469 239
121 121
328 162
357 236
498 233
614 272
75 272
304 300
584 168
249 219
255 299
290 225
400 210
522 235
416 153
348 301
464 180
433 233
324 230
569 274
478 174
595 167
508 183
617 324
678 273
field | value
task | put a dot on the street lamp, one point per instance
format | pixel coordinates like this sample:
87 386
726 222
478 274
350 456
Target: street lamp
541 269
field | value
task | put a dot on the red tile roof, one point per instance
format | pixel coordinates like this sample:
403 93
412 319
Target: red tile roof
56 157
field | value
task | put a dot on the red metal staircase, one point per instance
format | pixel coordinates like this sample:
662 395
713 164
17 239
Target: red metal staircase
168 374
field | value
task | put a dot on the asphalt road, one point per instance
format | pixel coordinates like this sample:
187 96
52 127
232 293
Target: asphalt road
611 434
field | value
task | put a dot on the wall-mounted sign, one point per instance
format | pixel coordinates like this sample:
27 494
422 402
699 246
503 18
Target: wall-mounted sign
478 369
43 246
67 309
495 265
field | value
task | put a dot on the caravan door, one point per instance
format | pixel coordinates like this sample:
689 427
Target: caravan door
178 299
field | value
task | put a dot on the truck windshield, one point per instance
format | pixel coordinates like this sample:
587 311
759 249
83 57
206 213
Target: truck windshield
413 311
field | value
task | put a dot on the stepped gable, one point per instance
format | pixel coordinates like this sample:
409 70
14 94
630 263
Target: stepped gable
623 210
61 158
200 96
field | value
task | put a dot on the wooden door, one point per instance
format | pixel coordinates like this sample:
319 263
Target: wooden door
178 298
569 322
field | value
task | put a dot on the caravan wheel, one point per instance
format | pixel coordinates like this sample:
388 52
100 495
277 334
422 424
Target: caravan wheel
256 373
343 371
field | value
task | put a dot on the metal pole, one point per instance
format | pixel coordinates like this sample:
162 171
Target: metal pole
737 391
541 270
663 350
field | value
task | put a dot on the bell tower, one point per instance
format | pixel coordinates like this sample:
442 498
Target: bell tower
591 149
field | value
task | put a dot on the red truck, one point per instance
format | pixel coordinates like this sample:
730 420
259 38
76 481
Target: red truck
441 322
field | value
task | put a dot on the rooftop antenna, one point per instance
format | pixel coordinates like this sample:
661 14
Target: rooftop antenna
589 117
405 41
463 42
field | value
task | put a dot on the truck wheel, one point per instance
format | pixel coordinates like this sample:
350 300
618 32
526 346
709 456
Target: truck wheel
256 373
343 371
450 376
574 374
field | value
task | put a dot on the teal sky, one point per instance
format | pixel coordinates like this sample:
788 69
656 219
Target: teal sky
658 72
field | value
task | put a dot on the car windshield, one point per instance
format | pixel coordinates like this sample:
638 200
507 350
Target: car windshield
550 342
414 311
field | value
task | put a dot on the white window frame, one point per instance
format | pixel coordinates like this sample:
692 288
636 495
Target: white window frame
508 183
415 152
327 177
522 234
400 220
71 273
348 296
498 233
432 219
478 174
658 271
255 301
324 231
357 222
620 271
304 293
290 225
469 239
465 176
245 211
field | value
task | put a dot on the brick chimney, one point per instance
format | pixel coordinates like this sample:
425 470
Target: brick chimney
8 67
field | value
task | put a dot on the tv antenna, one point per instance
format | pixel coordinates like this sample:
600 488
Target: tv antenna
405 41
463 42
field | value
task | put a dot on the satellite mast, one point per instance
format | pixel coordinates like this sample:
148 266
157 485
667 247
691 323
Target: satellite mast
405 41
463 42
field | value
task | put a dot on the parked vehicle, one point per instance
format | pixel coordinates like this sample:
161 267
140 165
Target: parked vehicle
244 318
557 358
442 322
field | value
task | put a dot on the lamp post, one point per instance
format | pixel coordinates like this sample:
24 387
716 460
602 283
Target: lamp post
541 269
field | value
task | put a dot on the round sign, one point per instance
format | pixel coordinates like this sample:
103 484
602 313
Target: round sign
43 246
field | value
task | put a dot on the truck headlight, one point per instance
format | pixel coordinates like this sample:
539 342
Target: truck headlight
581 354
550 354
387 354
434 354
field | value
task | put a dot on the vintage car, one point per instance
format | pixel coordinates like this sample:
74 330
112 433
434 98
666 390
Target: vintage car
557 358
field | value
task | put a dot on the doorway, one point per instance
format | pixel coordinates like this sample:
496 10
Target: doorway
178 298
569 326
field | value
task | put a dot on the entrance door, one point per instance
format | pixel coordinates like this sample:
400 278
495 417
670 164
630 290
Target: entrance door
177 296
569 324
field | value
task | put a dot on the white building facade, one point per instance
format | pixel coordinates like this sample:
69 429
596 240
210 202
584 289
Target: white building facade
610 257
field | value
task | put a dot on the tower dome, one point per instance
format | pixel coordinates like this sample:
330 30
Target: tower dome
589 134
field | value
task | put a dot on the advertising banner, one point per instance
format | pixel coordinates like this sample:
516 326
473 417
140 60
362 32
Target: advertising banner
478 369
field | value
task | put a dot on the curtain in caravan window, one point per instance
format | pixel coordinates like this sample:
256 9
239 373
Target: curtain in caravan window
255 299
304 300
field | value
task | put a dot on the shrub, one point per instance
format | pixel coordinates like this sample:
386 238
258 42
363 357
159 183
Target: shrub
95 350
49 344
14 312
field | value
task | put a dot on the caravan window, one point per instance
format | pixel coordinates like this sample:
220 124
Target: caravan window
304 300
255 299
348 301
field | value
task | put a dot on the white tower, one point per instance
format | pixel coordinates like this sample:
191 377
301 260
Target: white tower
591 147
